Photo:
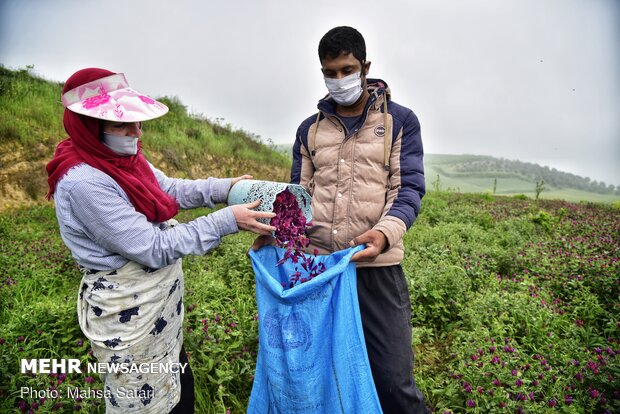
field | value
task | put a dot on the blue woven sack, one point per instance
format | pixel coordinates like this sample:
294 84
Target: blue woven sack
312 356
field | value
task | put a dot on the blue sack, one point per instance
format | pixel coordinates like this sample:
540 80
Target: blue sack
312 356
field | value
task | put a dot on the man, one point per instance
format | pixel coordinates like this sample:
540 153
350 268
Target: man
360 158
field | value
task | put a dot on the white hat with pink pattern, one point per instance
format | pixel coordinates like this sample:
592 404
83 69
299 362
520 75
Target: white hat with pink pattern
112 99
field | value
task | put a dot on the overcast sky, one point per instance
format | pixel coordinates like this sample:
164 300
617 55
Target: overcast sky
534 80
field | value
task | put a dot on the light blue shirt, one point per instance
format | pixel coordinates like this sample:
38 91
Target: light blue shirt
104 231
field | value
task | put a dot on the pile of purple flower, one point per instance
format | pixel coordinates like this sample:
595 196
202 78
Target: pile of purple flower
290 224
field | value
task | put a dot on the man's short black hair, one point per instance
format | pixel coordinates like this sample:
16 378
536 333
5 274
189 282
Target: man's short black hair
342 39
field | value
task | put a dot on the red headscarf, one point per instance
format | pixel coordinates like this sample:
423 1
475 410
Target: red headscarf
132 173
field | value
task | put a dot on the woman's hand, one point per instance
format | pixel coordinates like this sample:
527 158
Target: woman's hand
247 218
243 177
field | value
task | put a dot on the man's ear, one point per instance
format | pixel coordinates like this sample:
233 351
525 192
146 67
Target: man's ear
367 67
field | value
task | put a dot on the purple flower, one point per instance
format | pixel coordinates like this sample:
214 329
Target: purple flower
471 403
552 403
568 400
519 382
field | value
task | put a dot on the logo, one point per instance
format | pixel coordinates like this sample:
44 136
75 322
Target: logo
380 131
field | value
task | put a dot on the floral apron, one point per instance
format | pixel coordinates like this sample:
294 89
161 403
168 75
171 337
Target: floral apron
133 316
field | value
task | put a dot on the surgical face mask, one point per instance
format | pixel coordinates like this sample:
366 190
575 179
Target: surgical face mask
121 145
345 91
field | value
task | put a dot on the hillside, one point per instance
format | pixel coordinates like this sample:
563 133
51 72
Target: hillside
487 174
179 144
187 146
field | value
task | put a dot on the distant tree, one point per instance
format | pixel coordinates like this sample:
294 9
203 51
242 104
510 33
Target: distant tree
540 186
494 185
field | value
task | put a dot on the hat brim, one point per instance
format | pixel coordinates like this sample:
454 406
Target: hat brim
111 99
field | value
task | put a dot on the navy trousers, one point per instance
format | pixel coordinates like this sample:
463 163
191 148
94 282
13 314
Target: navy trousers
186 404
385 308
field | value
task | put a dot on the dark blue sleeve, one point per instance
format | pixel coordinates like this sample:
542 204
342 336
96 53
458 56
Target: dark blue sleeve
407 204
301 138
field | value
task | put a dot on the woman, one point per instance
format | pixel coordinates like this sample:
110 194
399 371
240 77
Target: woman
115 212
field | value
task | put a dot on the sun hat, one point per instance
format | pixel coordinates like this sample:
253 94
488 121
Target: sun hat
111 99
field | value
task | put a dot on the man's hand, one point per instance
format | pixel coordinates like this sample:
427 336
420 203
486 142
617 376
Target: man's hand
375 242
243 177
264 240
247 218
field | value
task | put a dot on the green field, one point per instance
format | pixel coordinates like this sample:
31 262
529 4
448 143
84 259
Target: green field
514 304
514 300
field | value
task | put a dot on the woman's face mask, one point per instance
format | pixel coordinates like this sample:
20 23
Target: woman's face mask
345 91
122 137
121 144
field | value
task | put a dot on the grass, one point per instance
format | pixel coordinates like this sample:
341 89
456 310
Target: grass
499 285
181 144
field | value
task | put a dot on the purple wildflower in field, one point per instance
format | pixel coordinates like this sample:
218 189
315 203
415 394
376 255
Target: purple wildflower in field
471 403
568 400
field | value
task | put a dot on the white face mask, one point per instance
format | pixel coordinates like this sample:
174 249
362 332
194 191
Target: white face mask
345 91
120 144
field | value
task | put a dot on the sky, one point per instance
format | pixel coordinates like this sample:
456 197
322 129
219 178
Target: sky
530 80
